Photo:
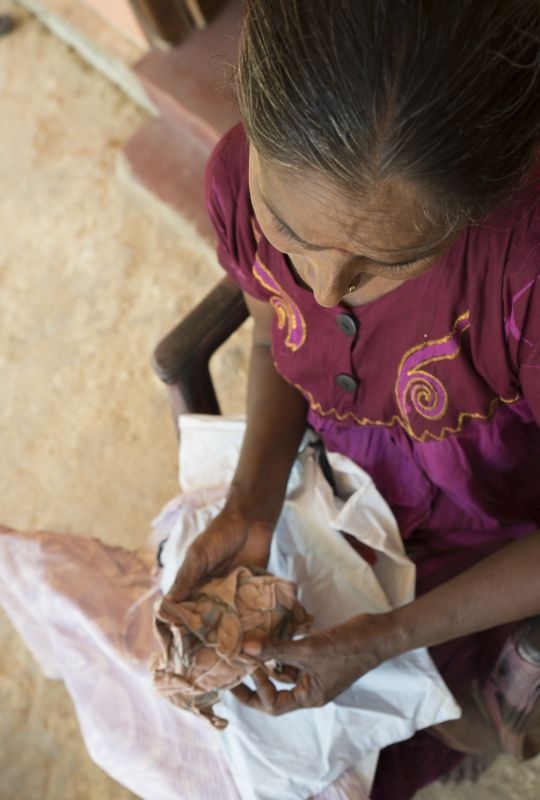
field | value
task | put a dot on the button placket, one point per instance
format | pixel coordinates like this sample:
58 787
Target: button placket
349 325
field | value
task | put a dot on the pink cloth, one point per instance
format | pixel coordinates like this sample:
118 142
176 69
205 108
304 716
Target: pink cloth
85 610
201 638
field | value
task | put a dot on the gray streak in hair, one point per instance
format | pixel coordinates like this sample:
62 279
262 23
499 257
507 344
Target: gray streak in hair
443 93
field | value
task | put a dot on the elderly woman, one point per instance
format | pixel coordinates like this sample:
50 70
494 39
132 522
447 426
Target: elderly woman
379 208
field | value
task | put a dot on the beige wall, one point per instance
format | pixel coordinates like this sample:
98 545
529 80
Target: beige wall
119 14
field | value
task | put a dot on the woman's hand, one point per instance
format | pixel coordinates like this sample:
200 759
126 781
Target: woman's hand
231 540
321 666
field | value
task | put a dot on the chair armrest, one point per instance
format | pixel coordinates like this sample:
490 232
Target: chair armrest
181 359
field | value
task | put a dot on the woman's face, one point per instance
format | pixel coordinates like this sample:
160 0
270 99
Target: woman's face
373 243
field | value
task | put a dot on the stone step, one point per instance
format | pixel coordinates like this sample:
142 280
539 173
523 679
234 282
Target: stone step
189 83
170 165
188 86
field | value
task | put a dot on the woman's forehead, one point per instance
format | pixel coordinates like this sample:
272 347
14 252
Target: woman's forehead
388 218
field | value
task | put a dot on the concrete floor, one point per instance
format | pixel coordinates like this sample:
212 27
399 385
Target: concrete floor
92 273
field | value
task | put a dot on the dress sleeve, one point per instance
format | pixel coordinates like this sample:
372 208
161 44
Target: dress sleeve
522 313
229 207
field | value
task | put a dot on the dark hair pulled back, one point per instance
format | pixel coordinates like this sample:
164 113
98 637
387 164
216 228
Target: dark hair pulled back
443 93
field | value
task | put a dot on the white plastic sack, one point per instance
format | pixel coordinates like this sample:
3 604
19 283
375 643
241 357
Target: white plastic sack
297 755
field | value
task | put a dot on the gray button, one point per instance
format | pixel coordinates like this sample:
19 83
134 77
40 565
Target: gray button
346 382
347 323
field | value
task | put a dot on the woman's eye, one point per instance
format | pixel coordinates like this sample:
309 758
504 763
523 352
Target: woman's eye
290 237
401 264
284 231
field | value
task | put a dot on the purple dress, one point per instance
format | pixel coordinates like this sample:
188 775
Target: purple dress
434 389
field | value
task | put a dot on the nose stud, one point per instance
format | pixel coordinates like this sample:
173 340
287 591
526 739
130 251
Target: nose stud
352 287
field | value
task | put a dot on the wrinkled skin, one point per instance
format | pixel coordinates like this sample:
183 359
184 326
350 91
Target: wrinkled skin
231 540
321 666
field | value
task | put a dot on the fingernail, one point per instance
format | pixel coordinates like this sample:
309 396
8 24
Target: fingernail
252 648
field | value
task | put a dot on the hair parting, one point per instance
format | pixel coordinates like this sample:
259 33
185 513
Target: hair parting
440 93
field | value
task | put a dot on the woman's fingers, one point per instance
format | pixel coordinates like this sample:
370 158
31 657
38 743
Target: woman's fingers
189 575
262 697
264 688
267 698
210 555
326 663
287 653
183 583
284 673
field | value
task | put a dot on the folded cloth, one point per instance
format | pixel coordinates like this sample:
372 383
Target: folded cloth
201 638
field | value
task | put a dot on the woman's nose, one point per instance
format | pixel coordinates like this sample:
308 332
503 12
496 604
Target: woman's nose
330 283
328 296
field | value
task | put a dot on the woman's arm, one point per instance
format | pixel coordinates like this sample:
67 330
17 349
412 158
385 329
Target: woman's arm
276 419
504 587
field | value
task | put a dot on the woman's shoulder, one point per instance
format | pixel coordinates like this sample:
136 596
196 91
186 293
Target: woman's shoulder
521 286
226 173
229 206
517 223
502 280
502 252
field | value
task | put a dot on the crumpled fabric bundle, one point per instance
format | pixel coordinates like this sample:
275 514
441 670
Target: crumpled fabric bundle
201 638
